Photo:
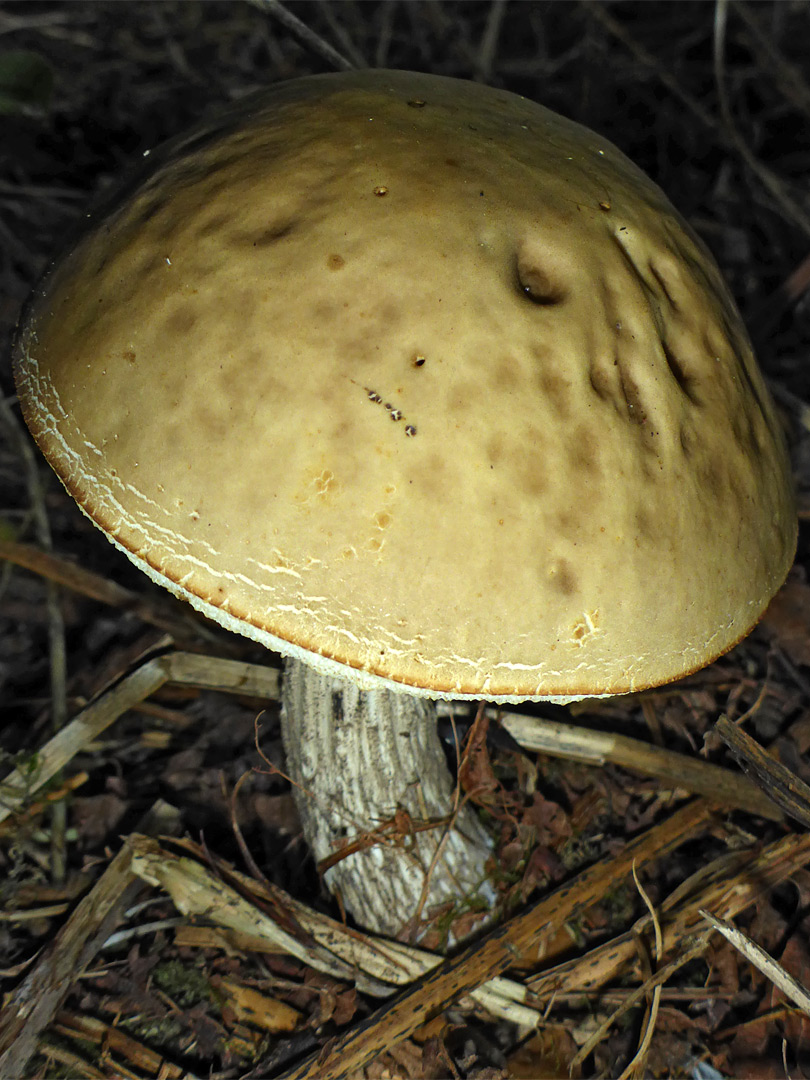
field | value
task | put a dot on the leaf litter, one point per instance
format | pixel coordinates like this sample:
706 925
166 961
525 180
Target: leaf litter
103 973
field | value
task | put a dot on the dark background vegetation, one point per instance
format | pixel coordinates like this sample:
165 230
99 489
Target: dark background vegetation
712 100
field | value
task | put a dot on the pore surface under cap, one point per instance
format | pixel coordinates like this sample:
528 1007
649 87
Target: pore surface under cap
417 376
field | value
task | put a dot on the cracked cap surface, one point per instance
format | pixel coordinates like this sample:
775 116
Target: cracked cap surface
421 382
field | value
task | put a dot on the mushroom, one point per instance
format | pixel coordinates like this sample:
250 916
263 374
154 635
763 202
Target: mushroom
432 391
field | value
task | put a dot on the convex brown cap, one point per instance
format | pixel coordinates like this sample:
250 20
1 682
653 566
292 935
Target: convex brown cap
413 377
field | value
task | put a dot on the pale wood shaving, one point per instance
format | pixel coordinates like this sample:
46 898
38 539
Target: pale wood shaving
377 966
495 952
762 960
189 669
727 885
600 747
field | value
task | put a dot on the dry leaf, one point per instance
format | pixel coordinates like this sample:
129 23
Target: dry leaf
475 774
549 821
546 1054
277 812
787 620
96 817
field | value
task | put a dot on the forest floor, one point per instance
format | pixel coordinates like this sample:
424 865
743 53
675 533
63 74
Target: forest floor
174 970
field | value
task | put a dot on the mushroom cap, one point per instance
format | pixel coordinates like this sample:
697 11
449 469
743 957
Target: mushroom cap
423 383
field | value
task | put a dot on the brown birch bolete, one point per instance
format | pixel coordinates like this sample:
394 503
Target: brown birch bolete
432 391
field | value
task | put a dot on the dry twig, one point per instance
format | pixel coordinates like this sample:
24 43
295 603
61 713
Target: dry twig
189 669
304 33
677 770
172 616
377 966
782 785
524 935
789 986
728 885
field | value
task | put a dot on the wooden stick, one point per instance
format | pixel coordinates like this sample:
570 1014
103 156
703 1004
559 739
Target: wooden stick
88 725
254 680
494 953
38 998
190 669
178 619
265 916
784 787
728 884
757 956
678 770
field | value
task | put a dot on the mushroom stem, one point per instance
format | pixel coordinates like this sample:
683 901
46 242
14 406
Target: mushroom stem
358 758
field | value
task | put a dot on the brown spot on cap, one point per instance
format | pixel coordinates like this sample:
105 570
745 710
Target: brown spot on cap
562 578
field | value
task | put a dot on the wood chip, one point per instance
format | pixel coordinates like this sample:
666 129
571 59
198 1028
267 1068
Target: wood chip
252 1007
